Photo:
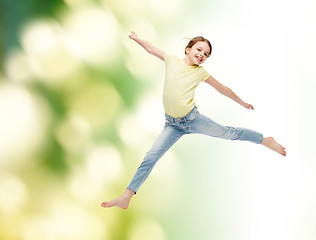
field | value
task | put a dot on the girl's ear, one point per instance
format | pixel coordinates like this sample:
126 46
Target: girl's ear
187 50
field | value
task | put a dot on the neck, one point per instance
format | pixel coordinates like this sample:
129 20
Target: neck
188 62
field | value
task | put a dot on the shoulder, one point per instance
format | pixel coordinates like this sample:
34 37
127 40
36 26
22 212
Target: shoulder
200 68
204 74
170 57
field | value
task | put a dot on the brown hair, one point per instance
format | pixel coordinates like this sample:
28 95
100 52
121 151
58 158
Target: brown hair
198 39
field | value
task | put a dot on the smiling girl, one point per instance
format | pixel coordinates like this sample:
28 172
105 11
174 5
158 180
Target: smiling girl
181 115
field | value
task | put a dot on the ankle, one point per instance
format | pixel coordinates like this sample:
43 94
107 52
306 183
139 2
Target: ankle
266 140
129 193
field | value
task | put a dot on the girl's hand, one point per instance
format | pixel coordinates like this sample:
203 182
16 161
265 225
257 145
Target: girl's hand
133 36
248 106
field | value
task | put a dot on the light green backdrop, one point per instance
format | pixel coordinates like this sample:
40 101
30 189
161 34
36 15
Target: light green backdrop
81 103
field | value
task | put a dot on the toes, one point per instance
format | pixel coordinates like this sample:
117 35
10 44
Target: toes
284 153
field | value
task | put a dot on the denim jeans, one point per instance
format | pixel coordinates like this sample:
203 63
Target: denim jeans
175 128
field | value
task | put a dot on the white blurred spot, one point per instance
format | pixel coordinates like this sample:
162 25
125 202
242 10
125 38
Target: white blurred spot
22 123
14 194
150 113
40 37
97 104
146 121
74 222
104 164
38 228
94 32
131 131
83 186
76 3
167 169
142 228
144 73
49 57
74 133
145 30
173 9
17 67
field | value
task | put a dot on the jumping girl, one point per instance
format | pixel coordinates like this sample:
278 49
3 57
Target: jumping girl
182 117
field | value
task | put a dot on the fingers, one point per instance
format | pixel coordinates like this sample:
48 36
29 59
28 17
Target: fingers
249 106
133 34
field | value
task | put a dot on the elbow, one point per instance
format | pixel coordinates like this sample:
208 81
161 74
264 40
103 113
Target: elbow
224 90
149 49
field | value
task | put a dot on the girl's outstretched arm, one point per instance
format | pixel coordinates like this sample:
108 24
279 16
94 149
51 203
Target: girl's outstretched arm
226 91
150 48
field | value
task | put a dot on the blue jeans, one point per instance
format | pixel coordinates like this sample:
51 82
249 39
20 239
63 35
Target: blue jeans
175 128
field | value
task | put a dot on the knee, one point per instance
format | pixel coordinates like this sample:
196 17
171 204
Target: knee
232 133
152 156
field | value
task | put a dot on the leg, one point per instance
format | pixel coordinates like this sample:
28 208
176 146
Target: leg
204 125
165 140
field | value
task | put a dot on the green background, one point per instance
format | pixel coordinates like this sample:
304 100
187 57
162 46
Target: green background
81 104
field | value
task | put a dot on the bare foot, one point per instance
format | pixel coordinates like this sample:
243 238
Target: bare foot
269 142
121 202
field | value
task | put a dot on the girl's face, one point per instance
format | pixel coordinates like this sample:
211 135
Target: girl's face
197 54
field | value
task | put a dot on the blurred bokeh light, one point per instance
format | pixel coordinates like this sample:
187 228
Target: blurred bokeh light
80 104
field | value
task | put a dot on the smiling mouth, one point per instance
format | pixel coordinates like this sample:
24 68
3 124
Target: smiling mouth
199 58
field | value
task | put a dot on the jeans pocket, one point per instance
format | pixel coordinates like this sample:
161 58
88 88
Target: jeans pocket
167 121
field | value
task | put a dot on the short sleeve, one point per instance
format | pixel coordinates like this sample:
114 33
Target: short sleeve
204 74
169 58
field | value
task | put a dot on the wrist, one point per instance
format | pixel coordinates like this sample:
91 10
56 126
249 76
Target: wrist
135 38
241 102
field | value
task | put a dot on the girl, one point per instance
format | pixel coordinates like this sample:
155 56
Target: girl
182 117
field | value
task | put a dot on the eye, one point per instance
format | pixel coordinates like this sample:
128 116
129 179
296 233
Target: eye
199 50
206 54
